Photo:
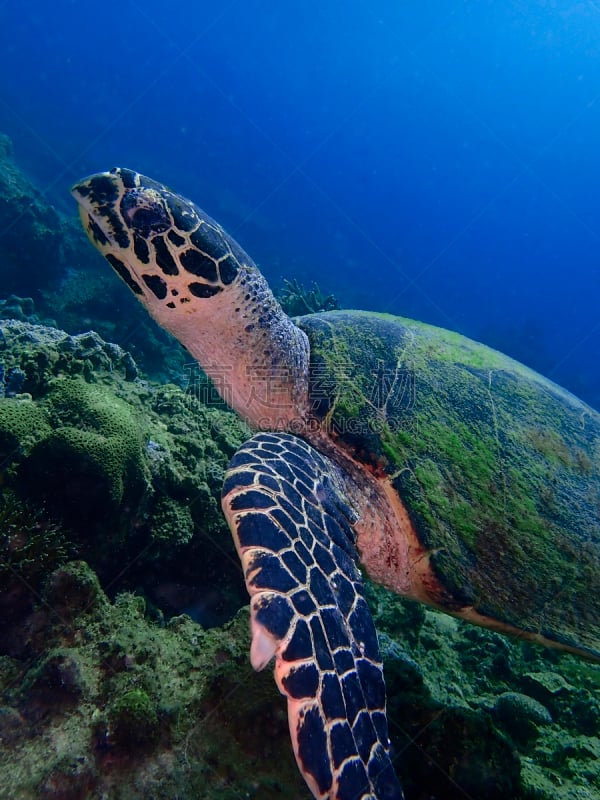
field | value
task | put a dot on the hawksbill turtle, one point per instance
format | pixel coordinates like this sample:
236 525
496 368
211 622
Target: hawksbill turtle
453 474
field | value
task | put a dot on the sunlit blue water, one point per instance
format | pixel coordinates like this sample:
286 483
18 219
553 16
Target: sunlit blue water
437 160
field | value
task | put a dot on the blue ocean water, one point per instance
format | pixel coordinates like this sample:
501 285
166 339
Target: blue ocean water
437 160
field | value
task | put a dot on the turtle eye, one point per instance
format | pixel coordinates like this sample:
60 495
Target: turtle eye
144 213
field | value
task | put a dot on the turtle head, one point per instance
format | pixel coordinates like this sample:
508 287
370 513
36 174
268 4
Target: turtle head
166 249
200 285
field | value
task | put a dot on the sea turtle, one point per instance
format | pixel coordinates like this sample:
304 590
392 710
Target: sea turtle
455 475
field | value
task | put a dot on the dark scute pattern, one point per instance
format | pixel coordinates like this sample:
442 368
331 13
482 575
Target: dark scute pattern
300 645
306 539
283 471
335 629
383 777
295 566
364 630
365 735
240 458
271 438
302 681
373 689
294 498
312 749
303 602
276 614
240 479
297 460
203 290
320 588
273 448
339 534
344 661
354 781
181 210
122 271
142 212
345 594
271 573
114 220
270 483
164 259
128 176
251 499
96 231
156 285
333 700
284 519
322 651
147 183
324 559
381 726
174 237
140 248
300 566
103 190
211 240
353 695
197 264
303 552
228 270
315 515
256 530
342 742
291 511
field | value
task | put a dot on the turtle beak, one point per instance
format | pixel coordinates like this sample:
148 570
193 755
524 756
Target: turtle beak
98 199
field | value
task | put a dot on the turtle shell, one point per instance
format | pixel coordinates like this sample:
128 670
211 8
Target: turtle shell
498 467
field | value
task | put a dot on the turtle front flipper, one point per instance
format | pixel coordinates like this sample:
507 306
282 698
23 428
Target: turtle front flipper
292 527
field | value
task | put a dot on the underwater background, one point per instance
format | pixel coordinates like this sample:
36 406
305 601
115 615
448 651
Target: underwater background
436 160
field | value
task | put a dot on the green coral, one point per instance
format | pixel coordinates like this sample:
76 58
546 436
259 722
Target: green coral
172 521
22 424
31 544
297 300
133 720
174 710
133 470
94 457
520 716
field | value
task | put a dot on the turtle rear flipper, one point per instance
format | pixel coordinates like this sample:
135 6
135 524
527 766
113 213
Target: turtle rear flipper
293 531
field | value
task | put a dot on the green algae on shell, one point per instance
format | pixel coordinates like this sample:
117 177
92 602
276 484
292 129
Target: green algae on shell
498 468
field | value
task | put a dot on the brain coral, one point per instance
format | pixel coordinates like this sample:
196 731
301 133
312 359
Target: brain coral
94 456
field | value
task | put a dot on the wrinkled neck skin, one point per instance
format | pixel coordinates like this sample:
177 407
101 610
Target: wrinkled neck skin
256 357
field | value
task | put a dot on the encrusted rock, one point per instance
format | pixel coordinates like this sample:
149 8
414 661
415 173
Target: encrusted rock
520 715
73 589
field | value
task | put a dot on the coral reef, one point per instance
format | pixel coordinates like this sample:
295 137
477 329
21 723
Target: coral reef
94 297
297 300
111 703
132 470
35 240
475 714
116 706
